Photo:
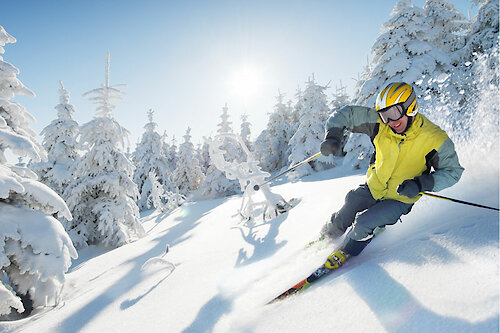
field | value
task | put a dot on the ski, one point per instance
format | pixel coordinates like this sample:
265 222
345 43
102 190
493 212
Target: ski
315 276
304 284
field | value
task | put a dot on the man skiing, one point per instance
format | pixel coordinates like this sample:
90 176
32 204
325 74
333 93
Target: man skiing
412 155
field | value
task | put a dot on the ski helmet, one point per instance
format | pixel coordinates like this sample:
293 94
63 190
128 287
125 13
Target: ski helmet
398 93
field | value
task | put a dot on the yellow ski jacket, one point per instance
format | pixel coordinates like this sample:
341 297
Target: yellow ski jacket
423 149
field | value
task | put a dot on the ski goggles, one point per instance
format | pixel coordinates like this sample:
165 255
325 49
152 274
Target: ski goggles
393 112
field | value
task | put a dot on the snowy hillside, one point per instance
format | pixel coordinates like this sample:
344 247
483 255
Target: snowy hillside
437 271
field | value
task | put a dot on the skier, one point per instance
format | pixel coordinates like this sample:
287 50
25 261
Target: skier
412 155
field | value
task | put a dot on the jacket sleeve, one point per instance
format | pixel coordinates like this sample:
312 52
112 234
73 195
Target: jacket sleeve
357 119
447 168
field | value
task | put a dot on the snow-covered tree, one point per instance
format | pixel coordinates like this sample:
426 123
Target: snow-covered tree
102 197
205 157
261 149
164 144
446 31
271 147
483 34
456 92
245 131
60 143
216 183
295 111
340 97
447 26
187 175
402 53
148 156
362 77
482 39
35 251
172 155
157 197
306 141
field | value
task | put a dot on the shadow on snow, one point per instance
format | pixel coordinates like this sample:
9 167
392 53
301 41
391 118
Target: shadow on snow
173 235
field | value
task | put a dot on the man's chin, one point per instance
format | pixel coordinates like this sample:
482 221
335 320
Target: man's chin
398 130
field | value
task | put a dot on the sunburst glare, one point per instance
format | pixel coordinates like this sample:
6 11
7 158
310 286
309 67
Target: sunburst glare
246 82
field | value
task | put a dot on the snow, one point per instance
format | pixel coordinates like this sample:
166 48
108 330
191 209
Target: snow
202 268
436 271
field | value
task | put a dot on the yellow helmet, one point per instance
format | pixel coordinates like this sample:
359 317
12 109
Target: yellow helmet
398 93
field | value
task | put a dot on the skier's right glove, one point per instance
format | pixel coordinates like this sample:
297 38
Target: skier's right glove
329 146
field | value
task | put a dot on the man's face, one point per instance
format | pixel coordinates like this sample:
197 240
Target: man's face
399 125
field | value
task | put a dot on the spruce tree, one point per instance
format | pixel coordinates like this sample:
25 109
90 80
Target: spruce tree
402 53
216 184
61 145
35 251
245 131
306 141
172 155
187 175
149 157
272 146
102 197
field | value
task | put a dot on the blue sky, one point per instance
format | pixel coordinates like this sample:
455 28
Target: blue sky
186 59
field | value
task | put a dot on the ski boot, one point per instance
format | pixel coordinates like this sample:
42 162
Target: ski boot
336 259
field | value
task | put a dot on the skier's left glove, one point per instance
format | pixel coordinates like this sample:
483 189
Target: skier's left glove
412 187
329 146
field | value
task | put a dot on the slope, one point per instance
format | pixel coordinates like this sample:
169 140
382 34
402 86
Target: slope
436 271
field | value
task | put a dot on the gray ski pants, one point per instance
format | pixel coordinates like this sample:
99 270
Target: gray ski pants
365 214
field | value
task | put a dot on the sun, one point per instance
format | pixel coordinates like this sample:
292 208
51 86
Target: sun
246 82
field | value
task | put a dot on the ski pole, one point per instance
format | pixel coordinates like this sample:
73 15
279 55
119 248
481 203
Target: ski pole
456 200
257 187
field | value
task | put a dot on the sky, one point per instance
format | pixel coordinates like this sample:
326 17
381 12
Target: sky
187 59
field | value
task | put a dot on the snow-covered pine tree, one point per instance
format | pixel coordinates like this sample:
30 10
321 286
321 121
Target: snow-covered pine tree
102 197
446 31
172 155
447 26
245 131
261 149
198 155
164 144
272 146
340 97
363 77
149 156
483 34
295 111
187 175
477 61
157 197
402 53
205 157
306 141
62 149
35 251
215 183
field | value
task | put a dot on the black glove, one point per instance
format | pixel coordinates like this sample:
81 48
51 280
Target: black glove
329 146
412 187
